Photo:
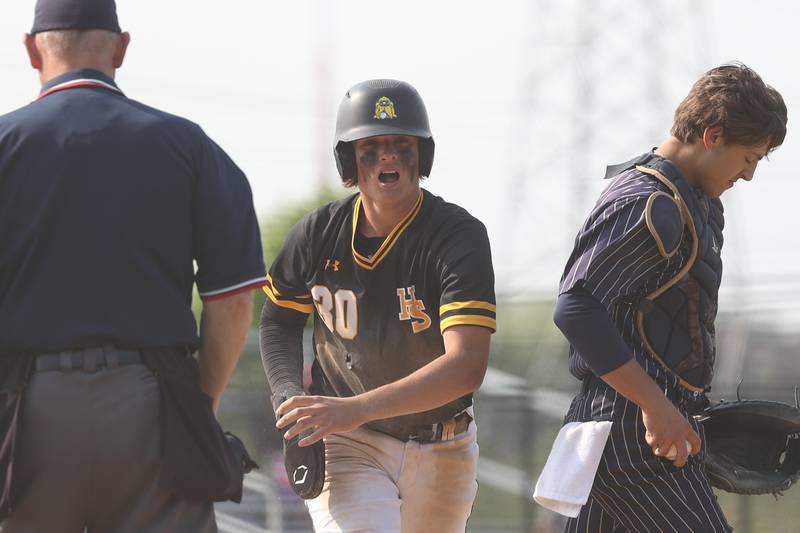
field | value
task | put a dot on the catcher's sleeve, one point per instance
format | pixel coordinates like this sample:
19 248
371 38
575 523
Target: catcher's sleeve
589 329
282 355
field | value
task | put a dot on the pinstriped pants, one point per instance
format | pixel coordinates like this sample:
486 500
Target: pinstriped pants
634 490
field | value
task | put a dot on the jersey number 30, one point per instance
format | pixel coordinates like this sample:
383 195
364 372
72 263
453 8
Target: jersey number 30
339 310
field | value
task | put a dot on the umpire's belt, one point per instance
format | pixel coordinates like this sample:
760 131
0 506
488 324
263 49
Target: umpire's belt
442 431
88 360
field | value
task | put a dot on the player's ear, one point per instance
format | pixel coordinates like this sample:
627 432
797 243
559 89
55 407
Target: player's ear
712 137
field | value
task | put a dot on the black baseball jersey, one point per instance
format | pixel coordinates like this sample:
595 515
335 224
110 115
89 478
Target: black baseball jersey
379 317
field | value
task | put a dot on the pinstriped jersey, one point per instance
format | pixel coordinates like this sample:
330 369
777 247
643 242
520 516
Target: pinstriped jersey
618 260
379 317
638 254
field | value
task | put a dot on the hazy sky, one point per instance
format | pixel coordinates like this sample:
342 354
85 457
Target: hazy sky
528 102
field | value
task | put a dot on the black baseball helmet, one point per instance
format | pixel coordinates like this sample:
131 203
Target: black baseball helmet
380 107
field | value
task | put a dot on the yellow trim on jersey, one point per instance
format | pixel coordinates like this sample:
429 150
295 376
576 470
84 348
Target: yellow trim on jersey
472 304
388 242
274 295
468 320
278 293
272 284
303 308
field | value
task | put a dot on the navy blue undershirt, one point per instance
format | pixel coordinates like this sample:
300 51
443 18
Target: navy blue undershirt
587 326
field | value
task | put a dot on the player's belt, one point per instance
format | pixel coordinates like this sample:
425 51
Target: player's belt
88 360
442 431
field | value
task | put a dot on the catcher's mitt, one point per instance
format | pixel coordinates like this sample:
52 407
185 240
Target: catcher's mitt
752 446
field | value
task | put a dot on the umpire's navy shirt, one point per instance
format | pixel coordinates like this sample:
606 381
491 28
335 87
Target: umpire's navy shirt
104 205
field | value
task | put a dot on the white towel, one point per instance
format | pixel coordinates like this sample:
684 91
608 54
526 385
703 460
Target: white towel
567 477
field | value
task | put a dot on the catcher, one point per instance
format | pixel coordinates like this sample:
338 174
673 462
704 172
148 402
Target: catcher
638 300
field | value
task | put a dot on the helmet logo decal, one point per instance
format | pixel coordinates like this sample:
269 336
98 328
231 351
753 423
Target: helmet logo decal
384 108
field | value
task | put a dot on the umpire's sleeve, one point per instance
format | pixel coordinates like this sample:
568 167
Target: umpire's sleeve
226 240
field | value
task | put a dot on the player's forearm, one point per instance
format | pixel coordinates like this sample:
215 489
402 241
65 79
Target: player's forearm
665 426
223 330
282 353
447 378
636 385
458 372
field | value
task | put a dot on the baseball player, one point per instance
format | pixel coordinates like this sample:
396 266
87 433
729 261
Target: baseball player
638 300
105 205
401 287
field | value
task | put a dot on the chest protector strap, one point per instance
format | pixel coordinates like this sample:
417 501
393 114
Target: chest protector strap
688 222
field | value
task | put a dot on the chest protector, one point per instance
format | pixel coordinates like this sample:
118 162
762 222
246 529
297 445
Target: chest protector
675 322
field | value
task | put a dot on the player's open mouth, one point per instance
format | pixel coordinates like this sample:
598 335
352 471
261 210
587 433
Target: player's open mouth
388 177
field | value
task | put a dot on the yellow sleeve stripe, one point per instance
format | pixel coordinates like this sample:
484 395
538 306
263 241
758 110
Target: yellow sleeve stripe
272 284
303 308
277 293
473 304
468 320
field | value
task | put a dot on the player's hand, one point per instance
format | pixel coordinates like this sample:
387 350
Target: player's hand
666 427
321 414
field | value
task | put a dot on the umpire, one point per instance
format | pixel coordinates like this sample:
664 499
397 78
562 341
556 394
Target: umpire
105 204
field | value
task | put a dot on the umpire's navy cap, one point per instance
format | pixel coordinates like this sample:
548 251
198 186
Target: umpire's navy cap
75 15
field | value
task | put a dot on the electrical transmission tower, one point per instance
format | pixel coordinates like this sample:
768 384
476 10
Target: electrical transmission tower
598 83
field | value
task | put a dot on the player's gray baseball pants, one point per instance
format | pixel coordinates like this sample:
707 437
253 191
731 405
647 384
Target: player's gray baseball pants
88 457
378 484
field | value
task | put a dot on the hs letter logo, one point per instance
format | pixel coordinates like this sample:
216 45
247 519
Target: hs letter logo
412 309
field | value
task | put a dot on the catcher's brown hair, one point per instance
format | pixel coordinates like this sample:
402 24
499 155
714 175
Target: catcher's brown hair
734 97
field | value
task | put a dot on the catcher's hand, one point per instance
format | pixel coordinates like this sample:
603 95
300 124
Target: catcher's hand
305 466
752 446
